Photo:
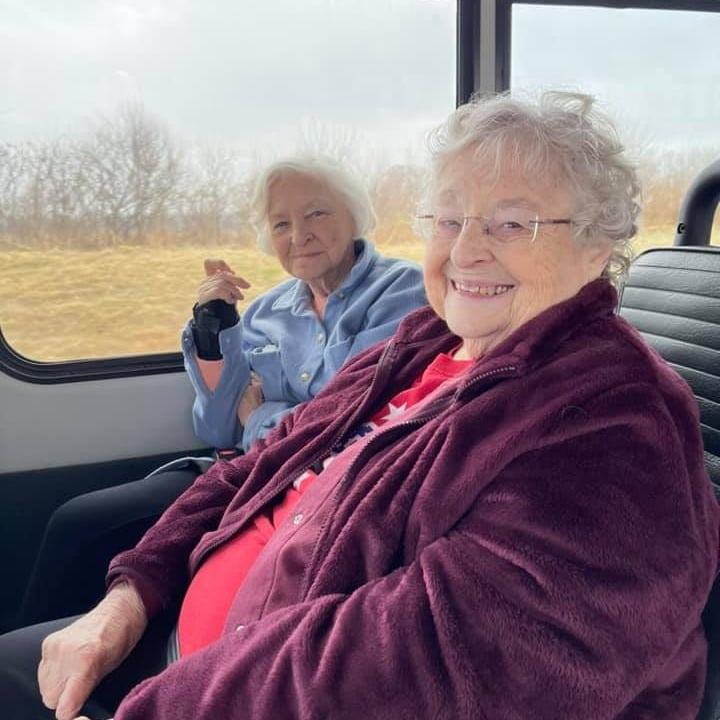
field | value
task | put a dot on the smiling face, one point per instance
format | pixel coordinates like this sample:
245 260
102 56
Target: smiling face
484 288
311 231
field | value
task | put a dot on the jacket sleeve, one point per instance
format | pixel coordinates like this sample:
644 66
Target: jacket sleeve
158 565
215 412
564 591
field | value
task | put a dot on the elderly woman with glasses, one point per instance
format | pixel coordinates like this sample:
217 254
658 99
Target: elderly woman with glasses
503 511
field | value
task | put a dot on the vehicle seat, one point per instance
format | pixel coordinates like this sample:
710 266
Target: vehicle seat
672 296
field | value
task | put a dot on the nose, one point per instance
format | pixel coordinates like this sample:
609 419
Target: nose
300 232
473 244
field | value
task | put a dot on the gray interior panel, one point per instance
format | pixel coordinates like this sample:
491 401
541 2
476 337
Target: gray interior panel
45 426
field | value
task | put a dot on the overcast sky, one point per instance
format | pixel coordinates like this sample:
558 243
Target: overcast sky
657 72
258 75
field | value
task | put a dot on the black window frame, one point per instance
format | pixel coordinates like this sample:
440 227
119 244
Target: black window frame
38 372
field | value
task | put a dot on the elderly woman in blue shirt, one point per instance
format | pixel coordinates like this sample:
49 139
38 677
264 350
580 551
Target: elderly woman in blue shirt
342 297
247 372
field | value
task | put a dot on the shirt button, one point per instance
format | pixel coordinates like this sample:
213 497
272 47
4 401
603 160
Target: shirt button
239 628
321 337
305 376
298 518
341 295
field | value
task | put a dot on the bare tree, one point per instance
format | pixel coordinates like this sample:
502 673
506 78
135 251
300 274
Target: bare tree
131 174
215 204
13 161
395 193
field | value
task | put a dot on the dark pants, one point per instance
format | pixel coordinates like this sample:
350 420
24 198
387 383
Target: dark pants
20 655
85 533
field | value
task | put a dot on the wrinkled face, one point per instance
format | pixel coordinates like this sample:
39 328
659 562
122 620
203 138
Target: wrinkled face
311 230
484 286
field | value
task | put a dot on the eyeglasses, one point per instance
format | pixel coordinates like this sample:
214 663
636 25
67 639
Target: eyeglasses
506 225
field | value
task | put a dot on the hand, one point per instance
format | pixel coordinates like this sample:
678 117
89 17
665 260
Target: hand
76 658
220 283
250 400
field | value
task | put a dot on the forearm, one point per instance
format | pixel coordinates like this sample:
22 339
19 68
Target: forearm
121 616
210 371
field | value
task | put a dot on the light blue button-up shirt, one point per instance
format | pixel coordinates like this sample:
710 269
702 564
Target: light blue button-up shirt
293 351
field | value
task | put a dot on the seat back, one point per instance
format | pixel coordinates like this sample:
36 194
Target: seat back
672 296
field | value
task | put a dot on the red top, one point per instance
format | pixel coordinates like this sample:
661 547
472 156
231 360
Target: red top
214 586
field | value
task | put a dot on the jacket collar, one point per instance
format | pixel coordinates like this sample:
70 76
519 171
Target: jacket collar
297 298
531 344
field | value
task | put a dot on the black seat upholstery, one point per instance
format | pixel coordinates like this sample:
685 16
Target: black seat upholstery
672 296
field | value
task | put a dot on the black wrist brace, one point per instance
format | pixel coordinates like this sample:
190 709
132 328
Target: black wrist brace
208 320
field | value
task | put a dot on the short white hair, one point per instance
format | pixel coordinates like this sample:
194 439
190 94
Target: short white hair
561 134
338 178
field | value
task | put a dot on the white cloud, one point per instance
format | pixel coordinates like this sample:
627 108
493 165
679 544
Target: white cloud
252 74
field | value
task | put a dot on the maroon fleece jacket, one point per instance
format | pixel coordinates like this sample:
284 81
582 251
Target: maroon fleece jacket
538 544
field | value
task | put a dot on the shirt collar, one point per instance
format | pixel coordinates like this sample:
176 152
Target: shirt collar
298 297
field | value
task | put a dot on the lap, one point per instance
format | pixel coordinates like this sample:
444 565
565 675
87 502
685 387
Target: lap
130 502
85 533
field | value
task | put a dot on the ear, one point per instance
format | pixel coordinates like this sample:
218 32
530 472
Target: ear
597 256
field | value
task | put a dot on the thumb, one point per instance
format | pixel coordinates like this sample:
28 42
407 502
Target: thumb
76 691
215 265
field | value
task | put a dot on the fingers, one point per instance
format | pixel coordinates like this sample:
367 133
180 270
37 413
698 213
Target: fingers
65 686
222 286
77 690
214 265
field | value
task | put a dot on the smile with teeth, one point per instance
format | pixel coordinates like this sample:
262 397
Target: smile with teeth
481 289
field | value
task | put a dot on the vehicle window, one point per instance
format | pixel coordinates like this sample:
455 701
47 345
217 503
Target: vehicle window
655 71
130 134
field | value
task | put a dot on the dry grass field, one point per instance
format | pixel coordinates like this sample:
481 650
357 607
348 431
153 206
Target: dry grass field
68 304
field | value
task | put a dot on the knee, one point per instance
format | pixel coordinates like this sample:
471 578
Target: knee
79 515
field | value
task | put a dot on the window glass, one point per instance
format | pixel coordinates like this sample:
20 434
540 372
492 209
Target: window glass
657 72
130 133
